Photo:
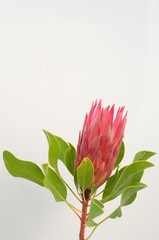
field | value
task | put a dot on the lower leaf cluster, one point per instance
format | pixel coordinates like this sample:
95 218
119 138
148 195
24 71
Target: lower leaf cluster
125 182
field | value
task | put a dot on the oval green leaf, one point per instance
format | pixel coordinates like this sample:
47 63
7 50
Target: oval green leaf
116 213
143 155
112 180
23 169
93 189
63 147
53 182
96 208
45 167
85 173
91 223
129 171
125 179
127 197
121 155
129 194
110 184
54 150
69 159
76 181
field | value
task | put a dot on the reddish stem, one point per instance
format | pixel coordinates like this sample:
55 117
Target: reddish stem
83 219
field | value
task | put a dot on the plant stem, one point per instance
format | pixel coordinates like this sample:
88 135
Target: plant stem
69 187
72 192
83 219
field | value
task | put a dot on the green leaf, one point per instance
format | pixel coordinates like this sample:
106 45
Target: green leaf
129 171
91 223
116 213
127 197
129 194
76 181
23 169
93 189
53 182
45 167
63 147
125 179
85 173
54 150
137 177
112 180
121 155
143 155
96 208
110 183
121 170
69 159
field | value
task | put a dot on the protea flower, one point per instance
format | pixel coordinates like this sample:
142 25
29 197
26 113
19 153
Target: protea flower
100 140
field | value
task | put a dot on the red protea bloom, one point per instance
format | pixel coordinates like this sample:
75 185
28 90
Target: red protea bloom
100 140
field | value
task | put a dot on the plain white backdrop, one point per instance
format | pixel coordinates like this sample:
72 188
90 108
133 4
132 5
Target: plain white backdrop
56 57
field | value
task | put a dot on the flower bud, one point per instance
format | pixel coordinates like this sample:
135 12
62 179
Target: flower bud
100 140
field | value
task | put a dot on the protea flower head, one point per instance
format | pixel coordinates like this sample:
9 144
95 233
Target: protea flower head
100 140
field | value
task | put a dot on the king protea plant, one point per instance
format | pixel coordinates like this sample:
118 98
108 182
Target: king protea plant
100 151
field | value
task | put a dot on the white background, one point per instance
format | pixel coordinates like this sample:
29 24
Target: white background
56 57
